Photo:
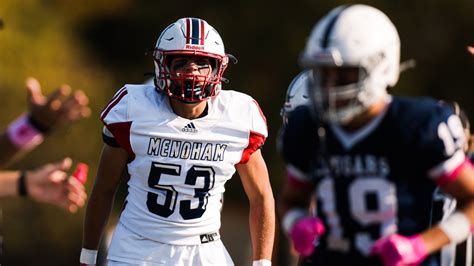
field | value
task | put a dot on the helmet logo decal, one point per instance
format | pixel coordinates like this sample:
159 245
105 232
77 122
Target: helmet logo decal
194 47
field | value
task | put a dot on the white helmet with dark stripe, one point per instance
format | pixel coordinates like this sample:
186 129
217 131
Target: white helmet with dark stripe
357 36
189 37
296 94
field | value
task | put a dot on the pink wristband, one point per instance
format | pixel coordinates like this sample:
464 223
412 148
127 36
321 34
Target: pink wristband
23 135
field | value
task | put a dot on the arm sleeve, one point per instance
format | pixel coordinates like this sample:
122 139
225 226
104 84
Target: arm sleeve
258 131
117 123
116 110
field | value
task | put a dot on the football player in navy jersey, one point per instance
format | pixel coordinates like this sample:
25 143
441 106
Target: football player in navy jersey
372 160
444 205
180 140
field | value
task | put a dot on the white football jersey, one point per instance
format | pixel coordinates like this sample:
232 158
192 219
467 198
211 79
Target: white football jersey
178 166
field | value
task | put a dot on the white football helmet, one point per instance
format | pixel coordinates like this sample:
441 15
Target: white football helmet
357 36
189 37
296 94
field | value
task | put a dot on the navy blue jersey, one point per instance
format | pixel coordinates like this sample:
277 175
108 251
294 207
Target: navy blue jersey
442 207
378 180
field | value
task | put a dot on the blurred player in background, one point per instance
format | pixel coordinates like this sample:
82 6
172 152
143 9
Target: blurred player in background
372 160
444 205
180 141
296 95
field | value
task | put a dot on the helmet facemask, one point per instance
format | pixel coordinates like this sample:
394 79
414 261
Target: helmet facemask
344 100
337 102
189 86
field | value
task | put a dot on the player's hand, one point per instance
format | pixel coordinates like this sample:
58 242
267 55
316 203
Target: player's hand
59 107
397 250
470 49
51 184
304 233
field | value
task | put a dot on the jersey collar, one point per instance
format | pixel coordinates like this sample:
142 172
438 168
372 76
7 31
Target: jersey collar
349 139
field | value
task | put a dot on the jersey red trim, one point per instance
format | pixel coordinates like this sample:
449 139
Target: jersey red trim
261 113
112 103
256 141
121 132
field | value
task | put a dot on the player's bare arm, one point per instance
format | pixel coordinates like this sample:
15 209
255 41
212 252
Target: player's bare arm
49 183
255 180
462 189
293 196
303 228
112 163
45 113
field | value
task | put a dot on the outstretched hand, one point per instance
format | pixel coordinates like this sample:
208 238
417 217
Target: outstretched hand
58 108
51 184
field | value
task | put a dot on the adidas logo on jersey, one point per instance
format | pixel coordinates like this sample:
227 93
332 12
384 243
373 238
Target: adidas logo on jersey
190 128
208 237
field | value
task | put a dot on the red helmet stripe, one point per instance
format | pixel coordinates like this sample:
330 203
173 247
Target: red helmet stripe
188 30
202 32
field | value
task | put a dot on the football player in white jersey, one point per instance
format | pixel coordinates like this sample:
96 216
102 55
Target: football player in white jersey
180 141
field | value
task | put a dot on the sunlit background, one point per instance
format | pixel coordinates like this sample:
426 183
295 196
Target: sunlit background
98 46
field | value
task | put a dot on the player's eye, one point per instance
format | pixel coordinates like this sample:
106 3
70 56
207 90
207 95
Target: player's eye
178 64
202 62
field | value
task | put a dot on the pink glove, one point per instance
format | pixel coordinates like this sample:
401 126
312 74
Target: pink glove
397 250
304 233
